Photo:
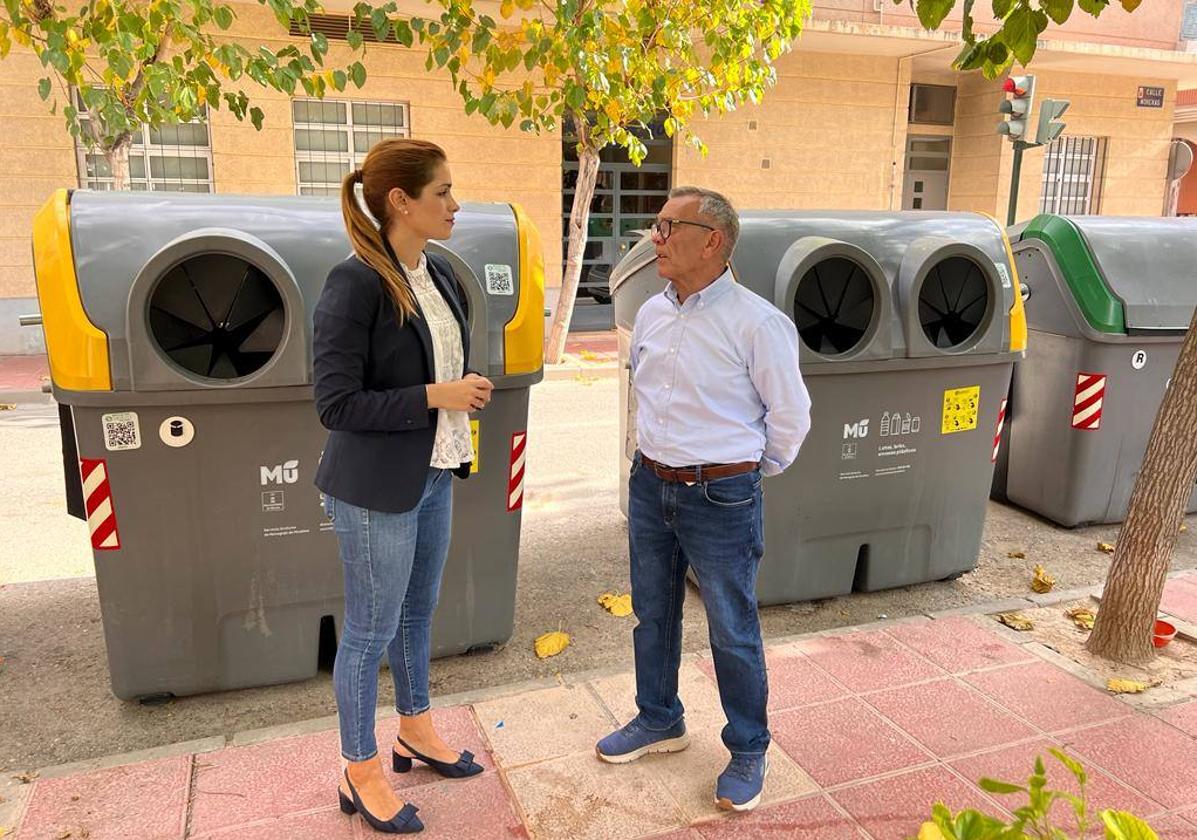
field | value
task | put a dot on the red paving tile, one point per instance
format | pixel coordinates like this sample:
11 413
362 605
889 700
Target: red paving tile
244 785
1144 752
1174 827
1046 696
793 680
1180 598
23 373
468 809
949 719
459 730
894 808
843 741
868 661
1182 716
1015 764
813 817
119 803
321 825
957 644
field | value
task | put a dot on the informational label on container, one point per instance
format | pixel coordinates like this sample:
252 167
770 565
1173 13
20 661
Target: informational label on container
285 531
121 431
893 450
896 469
1003 274
852 475
474 446
960 408
498 280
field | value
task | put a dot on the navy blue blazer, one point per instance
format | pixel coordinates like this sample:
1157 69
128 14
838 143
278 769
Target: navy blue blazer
370 375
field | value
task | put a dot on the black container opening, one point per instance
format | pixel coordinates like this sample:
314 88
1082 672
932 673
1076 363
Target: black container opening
953 300
217 316
833 306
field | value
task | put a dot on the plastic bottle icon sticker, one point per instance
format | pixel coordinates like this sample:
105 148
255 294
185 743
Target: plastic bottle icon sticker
885 424
176 431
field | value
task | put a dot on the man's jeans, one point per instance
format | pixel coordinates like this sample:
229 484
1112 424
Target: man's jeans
716 528
393 565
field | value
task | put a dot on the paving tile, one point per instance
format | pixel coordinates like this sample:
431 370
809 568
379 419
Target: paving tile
479 808
329 824
843 741
1180 598
539 725
1148 754
1174 827
949 719
814 817
793 679
581 798
699 694
683 834
690 775
243 785
895 807
1015 764
1183 716
868 661
958 644
459 729
1047 696
144 801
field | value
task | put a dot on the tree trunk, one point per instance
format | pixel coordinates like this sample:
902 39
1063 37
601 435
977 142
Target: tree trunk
118 161
1140 566
579 219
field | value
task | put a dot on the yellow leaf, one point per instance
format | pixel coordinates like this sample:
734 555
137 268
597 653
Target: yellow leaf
613 110
618 605
1042 581
1108 548
551 644
506 8
1082 617
1016 555
930 831
1015 621
1129 686
1183 527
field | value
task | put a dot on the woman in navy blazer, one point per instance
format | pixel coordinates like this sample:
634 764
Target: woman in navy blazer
393 387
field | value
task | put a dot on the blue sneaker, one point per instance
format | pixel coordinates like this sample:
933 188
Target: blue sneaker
634 740
740 785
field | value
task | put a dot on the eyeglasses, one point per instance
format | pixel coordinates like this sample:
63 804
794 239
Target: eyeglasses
663 228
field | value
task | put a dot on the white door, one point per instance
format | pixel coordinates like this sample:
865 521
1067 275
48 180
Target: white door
925 184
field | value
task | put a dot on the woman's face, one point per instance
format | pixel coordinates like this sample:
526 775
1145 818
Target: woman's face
431 215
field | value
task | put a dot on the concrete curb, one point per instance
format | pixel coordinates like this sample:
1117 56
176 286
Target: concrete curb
556 373
22 397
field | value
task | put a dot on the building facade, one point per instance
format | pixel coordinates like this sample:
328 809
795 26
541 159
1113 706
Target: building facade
867 114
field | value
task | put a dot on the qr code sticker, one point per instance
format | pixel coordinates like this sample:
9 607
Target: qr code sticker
498 280
121 431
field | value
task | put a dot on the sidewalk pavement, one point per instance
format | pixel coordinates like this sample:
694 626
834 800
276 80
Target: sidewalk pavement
586 355
871 726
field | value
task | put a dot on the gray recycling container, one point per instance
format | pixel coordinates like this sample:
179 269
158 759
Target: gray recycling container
1108 303
178 330
910 324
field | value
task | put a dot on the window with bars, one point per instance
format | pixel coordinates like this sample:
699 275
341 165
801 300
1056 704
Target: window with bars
332 137
171 158
1073 171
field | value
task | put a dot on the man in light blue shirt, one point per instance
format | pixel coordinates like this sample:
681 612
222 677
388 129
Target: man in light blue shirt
720 403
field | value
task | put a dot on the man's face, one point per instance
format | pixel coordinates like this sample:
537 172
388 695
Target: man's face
689 248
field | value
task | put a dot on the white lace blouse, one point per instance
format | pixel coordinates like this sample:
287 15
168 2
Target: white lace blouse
451 447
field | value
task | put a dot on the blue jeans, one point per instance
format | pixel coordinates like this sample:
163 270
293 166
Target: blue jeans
393 564
716 528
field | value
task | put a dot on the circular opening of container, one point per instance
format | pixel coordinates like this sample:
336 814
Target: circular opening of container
833 306
953 300
217 316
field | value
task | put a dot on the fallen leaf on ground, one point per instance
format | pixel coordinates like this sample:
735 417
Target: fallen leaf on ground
62 835
1082 617
1015 621
1108 548
3 831
26 778
7 406
618 605
1016 555
551 644
1042 582
1130 686
589 355
1183 527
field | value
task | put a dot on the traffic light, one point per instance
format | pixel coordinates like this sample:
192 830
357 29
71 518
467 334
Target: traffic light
1017 106
1050 112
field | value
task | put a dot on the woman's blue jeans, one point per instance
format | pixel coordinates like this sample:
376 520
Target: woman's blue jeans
393 564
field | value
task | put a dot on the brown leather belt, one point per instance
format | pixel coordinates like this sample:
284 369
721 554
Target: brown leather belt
693 475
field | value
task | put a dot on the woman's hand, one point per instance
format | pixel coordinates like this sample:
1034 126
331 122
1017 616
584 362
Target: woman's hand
470 393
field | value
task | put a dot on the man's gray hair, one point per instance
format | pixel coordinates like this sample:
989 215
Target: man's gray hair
716 207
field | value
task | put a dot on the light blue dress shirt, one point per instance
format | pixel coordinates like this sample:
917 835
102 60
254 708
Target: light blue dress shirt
716 379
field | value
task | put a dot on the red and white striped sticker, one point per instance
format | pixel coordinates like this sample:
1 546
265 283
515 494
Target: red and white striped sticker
97 496
1087 401
997 435
515 476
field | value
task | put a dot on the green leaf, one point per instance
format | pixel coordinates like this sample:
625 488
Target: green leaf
1020 32
994 786
1121 825
575 97
380 24
340 79
1071 763
1059 10
971 57
320 43
403 33
932 12
998 52
358 73
1001 8
223 16
354 39
256 116
1093 7
43 89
